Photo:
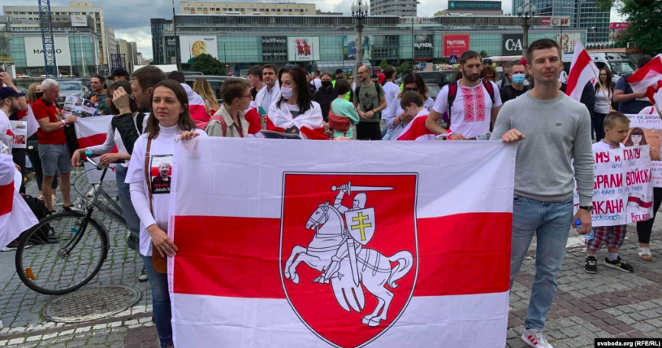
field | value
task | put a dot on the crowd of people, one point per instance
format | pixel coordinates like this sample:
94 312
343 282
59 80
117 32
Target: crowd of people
152 110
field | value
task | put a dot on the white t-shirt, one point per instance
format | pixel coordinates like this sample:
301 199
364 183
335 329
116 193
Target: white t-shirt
317 82
161 154
471 111
391 91
4 123
602 146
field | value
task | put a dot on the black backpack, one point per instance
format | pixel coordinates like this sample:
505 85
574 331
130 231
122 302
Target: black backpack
358 88
40 211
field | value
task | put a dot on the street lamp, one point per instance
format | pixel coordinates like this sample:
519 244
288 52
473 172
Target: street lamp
359 14
526 11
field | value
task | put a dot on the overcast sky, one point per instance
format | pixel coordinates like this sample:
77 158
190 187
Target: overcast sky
130 18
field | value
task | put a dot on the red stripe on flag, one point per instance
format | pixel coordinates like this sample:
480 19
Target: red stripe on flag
6 198
654 65
576 70
92 140
239 257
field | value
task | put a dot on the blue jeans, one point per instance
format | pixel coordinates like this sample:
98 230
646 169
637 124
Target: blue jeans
160 302
550 222
128 213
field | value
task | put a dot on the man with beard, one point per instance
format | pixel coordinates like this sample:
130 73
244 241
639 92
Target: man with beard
369 103
9 105
471 103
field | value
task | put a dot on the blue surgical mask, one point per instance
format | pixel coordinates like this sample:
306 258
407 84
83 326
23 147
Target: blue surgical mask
518 79
286 92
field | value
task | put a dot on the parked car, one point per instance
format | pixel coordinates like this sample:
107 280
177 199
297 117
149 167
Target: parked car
434 80
214 80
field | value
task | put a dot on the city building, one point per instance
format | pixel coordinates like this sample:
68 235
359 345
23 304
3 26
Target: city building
471 8
328 42
247 8
129 54
112 49
400 8
583 14
26 18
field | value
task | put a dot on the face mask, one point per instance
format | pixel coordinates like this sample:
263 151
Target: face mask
518 79
39 94
286 92
326 83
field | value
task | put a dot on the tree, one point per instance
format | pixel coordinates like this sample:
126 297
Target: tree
483 54
645 17
383 64
208 65
405 67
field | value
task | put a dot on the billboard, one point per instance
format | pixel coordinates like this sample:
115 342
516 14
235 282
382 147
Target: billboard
78 20
617 29
511 44
556 21
455 44
193 46
474 5
349 47
567 41
303 49
274 48
424 46
34 51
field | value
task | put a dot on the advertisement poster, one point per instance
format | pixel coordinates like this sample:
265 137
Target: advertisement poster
511 44
349 47
568 41
20 130
303 49
79 107
455 44
424 46
78 20
646 129
193 46
34 51
274 48
622 189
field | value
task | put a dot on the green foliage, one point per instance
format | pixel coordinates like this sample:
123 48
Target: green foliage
404 68
483 54
383 64
645 17
208 65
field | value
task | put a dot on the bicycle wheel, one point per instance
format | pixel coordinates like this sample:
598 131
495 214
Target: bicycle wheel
61 253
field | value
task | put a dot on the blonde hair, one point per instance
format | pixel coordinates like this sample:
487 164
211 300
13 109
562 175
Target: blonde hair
202 87
32 91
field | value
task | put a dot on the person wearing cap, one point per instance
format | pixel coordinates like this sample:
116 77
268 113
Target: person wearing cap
9 105
53 150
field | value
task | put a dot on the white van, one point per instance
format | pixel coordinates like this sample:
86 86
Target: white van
618 63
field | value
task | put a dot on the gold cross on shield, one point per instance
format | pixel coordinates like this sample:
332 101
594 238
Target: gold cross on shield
361 226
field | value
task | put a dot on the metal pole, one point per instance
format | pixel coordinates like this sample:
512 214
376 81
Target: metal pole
413 55
359 51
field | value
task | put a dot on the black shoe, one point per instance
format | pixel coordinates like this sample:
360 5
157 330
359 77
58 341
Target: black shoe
619 265
143 276
591 265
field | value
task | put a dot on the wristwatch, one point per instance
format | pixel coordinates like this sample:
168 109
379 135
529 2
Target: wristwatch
589 208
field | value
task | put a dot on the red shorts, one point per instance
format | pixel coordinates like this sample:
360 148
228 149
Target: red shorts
613 236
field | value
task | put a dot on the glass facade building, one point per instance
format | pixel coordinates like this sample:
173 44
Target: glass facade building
243 41
583 14
76 54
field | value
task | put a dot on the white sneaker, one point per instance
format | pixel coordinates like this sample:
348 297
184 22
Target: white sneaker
535 338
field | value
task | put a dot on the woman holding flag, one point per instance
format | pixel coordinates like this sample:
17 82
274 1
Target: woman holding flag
150 190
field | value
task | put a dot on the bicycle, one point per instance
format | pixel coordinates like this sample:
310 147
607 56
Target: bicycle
66 250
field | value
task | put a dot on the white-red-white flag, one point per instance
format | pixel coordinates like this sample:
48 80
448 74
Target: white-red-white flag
416 130
422 261
647 78
582 71
15 215
92 131
196 107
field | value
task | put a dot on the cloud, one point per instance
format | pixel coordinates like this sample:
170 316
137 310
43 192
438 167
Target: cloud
142 36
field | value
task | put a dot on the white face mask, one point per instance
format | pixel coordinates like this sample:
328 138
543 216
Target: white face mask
286 92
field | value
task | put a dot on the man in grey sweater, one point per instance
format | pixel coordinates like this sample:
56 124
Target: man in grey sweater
554 136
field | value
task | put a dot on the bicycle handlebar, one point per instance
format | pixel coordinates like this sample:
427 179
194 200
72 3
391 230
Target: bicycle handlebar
88 158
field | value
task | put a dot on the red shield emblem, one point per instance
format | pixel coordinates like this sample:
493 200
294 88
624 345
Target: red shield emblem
349 252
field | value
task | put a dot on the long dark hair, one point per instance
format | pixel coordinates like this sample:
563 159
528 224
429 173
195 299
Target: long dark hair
413 77
109 101
636 131
184 122
304 98
609 86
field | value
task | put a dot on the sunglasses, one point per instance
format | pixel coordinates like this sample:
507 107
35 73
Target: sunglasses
411 89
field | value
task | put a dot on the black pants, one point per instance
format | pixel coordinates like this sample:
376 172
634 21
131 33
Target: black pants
368 131
597 123
644 228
